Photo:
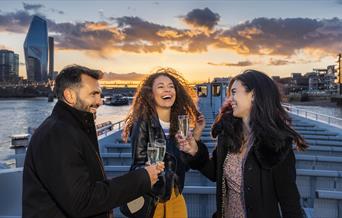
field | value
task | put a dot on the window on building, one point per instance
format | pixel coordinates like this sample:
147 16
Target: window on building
216 89
202 91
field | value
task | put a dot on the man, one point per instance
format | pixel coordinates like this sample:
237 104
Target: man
63 172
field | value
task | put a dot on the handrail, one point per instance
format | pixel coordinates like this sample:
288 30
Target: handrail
330 120
5 142
108 128
102 130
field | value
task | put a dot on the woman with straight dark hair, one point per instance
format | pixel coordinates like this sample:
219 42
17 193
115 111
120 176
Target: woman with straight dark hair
253 163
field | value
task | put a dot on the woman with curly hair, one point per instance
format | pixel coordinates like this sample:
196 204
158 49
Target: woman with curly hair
159 99
253 163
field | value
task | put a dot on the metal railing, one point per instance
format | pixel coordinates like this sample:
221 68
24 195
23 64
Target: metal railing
16 160
330 120
108 128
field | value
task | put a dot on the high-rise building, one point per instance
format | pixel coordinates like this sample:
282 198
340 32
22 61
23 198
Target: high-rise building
9 65
51 57
36 50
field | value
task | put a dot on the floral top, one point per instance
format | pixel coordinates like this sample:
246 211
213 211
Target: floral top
233 194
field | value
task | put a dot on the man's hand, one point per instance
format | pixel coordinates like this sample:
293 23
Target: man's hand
154 170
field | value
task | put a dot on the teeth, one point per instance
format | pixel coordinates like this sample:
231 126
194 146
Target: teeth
166 97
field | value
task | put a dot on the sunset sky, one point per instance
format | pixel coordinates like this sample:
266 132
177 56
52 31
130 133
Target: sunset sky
201 39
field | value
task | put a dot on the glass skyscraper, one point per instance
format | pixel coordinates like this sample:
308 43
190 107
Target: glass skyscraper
36 50
9 65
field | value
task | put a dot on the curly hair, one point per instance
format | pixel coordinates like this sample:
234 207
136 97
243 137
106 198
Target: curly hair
143 106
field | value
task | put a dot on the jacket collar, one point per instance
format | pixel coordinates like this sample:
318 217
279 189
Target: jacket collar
83 119
266 153
155 121
268 156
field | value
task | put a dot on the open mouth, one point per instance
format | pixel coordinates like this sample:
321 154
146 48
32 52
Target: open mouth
166 97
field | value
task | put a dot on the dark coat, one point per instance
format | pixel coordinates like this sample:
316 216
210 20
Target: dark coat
63 172
269 178
176 165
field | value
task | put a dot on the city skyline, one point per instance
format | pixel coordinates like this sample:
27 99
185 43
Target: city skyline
201 39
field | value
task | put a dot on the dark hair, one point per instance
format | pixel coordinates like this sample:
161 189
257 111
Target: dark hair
144 105
268 121
70 76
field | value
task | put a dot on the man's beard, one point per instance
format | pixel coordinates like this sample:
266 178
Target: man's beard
83 106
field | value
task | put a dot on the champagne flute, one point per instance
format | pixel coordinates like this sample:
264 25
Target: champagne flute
183 123
152 153
161 147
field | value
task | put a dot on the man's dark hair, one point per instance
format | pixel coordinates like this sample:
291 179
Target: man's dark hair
70 77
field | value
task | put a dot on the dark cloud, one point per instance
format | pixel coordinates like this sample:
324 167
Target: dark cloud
33 7
137 29
202 18
124 76
279 62
238 64
57 11
193 43
101 14
260 36
17 22
144 36
92 36
283 36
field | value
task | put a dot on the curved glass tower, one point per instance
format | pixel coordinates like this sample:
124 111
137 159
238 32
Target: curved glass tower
36 50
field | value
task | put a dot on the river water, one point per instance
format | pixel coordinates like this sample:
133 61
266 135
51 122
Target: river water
16 115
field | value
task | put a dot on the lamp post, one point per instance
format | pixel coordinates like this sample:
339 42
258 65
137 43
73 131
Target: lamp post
339 75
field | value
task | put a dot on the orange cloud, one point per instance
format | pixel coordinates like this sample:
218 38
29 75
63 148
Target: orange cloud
250 32
238 64
227 40
169 34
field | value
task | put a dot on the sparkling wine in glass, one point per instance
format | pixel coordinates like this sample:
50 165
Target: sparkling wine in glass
152 153
160 144
183 122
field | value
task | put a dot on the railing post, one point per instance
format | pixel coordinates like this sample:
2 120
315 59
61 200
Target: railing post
19 144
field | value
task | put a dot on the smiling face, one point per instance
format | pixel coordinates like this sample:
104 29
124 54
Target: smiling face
164 92
89 95
241 100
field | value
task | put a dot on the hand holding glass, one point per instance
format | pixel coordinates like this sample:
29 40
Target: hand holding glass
152 153
156 151
161 147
